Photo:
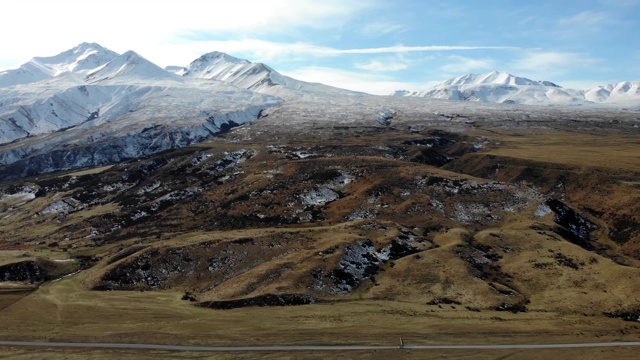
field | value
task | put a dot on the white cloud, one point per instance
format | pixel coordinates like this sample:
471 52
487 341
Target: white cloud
463 65
397 62
253 49
586 19
44 27
588 24
268 49
547 65
401 49
365 82
619 3
382 28
180 52
376 65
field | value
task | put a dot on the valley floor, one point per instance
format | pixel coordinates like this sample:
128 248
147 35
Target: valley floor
64 311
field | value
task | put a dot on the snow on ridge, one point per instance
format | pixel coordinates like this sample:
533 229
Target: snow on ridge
493 78
82 58
502 87
256 76
220 66
128 66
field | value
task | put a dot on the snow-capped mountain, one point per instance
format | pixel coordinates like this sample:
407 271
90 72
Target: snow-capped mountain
502 87
256 76
79 114
80 59
494 78
220 66
617 92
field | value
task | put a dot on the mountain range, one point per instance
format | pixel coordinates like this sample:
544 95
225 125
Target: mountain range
91 106
502 87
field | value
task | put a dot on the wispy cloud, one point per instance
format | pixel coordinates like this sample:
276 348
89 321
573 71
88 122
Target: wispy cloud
460 64
376 65
586 19
382 28
619 3
256 49
266 51
548 65
395 62
352 80
401 49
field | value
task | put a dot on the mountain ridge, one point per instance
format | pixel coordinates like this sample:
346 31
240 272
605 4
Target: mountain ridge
82 58
495 78
503 87
129 66
258 77
89 106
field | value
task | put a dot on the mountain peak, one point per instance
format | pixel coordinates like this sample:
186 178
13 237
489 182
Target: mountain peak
131 55
220 56
76 54
82 58
128 66
88 46
213 65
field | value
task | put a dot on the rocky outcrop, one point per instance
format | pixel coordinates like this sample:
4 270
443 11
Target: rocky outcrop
24 271
575 227
114 149
263 300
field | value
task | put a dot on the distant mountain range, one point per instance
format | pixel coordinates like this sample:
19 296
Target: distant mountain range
91 106
502 87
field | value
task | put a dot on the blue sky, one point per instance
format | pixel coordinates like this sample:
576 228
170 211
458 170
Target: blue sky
376 46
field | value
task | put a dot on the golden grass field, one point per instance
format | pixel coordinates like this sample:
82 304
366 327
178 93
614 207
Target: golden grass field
64 311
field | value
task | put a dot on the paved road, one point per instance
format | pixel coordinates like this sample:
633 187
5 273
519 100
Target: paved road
311 347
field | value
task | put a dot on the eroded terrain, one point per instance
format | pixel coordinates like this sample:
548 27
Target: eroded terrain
469 214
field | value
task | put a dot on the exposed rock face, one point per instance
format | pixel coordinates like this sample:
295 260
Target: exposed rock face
633 315
361 261
24 271
579 228
263 300
113 149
